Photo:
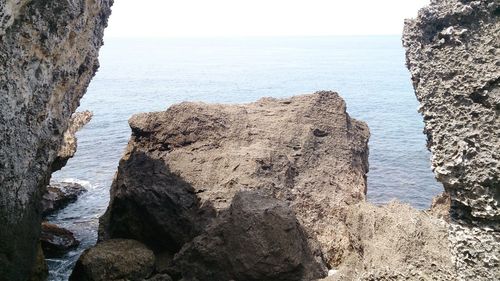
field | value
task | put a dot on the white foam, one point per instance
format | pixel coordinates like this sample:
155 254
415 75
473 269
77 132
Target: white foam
83 183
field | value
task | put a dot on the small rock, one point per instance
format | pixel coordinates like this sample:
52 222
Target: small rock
116 259
59 195
56 240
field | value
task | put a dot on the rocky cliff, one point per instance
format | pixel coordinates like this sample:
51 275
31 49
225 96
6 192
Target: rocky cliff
452 51
48 55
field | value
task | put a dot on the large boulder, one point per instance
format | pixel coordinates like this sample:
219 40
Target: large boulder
184 165
48 55
452 52
114 260
257 238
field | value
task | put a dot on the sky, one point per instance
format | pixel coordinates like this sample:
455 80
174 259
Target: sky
244 18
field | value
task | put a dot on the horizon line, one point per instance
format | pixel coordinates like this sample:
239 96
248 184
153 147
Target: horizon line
250 36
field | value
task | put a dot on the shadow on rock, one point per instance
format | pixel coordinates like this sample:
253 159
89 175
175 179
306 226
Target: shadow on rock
257 238
152 205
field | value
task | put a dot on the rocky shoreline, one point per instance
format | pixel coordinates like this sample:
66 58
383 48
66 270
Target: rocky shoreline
271 190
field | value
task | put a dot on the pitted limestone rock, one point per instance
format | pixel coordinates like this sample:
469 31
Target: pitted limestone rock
452 51
48 55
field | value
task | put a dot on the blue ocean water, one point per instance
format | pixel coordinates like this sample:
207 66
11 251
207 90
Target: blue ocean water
139 75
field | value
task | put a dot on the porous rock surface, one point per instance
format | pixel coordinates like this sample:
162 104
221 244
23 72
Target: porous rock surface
48 55
184 165
395 242
452 51
114 260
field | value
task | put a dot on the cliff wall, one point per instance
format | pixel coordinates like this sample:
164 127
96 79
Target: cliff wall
452 51
48 55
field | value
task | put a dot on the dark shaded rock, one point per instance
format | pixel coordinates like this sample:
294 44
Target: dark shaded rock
163 262
113 260
184 165
152 205
257 238
56 240
160 277
40 271
48 55
452 53
59 195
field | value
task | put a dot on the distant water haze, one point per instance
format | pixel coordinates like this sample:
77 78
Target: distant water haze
140 75
241 18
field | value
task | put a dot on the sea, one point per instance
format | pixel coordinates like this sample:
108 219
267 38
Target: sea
146 74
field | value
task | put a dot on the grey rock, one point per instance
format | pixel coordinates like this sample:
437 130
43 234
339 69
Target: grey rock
184 165
452 53
69 145
59 195
48 55
113 260
257 238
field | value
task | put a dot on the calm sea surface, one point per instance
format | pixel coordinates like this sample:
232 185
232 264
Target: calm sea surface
139 75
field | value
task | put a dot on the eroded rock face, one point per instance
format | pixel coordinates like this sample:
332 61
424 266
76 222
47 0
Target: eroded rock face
184 165
48 55
395 242
452 50
69 145
257 238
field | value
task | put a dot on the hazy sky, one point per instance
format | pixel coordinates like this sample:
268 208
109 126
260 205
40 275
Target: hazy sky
227 18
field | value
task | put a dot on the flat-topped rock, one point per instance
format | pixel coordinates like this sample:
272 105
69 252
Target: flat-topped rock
184 165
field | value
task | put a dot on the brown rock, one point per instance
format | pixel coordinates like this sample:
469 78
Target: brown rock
184 165
56 240
394 242
257 238
113 260
440 206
